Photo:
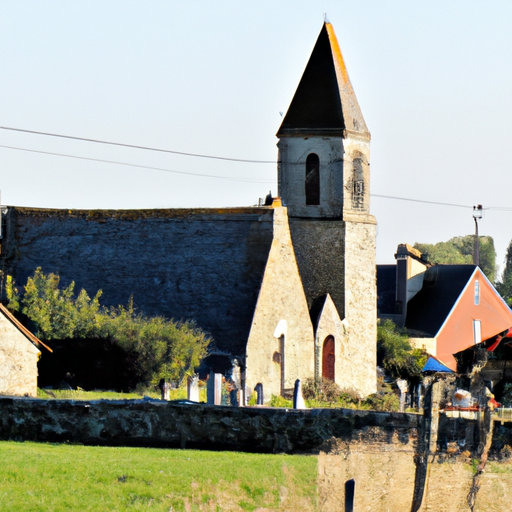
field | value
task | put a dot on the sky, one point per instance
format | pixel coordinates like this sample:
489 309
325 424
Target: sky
433 80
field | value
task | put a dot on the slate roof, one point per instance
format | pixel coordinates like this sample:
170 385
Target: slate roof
386 289
324 102
442 286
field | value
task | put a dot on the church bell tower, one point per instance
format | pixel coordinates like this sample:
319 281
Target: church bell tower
324 181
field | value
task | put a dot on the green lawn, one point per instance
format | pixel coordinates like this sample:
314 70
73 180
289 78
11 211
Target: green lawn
80 394
48 477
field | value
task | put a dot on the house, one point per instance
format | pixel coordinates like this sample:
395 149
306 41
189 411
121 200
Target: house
286 290
19 353
446 309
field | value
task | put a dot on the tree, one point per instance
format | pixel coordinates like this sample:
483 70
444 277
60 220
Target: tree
161 347
504 286
459 251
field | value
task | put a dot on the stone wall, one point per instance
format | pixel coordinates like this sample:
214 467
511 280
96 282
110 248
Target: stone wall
293 152
379 451
338 258
319 248
18 361
168 424
361 305
281 335
202 264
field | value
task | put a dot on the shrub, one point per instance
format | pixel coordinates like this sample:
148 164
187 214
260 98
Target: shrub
279 401
161 348
323 390
396 354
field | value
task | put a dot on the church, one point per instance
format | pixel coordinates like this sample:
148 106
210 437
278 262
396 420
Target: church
287 291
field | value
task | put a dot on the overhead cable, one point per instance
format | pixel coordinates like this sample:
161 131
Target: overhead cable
423 201
133 146
137 165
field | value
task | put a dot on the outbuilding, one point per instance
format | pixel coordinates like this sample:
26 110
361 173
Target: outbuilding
19 353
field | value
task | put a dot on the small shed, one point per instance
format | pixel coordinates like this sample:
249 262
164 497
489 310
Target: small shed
19 353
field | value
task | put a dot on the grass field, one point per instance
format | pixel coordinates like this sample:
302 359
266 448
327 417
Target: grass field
48 477
80 394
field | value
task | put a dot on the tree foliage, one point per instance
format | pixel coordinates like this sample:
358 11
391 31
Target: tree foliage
504 286
161 347
396 354
459 251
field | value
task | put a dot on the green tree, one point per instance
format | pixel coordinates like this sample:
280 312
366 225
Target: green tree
395 353
161 347
459 251
504 286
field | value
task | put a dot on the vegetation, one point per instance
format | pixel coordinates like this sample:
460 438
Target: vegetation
161 348
62 478
80 394
396 355
326 393
505 285
459 251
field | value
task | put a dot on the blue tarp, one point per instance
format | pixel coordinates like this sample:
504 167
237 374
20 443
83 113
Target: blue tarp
433 365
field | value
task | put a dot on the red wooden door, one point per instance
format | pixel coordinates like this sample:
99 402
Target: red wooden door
328 358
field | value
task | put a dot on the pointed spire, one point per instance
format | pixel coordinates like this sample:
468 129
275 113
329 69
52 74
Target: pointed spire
324 102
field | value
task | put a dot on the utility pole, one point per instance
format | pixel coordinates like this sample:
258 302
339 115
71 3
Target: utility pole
477 215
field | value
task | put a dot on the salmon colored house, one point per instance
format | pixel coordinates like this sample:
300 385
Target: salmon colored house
446 309
456 309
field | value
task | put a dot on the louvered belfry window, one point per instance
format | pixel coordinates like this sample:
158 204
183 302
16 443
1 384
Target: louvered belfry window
358 185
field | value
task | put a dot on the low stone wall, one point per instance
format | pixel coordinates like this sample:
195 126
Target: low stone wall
170 424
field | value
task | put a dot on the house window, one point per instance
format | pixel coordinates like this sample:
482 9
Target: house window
477 293
312 179
357 185
477 331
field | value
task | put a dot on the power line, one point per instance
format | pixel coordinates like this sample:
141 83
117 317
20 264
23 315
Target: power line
423 201
497 208
133 146
136 165
500 208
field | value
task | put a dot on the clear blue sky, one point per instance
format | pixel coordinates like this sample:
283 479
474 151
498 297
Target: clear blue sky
433 80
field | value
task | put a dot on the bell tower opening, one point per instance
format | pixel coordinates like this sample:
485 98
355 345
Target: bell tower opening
312 184
358 192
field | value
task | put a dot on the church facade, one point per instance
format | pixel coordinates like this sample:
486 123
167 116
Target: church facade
287 291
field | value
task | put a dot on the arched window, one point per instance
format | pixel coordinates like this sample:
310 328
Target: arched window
328 358
312 179
358 185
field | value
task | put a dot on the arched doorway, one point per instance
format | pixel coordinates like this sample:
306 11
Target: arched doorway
328 358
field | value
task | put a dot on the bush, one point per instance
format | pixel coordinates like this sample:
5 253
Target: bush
323 390
159 347
388 401
279 401
395 353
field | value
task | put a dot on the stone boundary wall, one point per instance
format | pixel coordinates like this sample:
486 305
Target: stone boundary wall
155 423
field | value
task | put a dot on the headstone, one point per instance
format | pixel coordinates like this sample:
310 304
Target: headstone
259 394
403 386
214 389
350 491
165 389
193 388
298 399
